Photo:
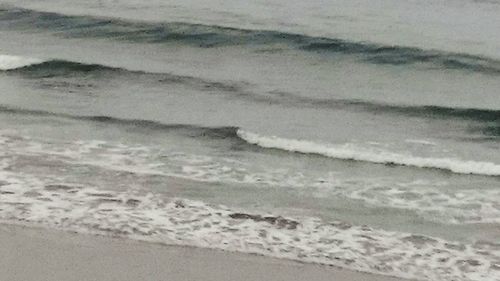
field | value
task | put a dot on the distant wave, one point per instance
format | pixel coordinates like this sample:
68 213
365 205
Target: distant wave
426 111
207 36
433 111
49 68
37 68
350 152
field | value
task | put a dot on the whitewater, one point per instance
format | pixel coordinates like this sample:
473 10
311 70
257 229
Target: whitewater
8 62
351 152
359 134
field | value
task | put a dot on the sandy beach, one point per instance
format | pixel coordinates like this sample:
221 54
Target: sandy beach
43 255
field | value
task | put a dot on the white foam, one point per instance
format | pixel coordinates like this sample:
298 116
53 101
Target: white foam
432 200
32 196
359 153
450 206
8 62
33 201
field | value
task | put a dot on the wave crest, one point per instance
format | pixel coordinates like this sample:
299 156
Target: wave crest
8 62
350 152
237 135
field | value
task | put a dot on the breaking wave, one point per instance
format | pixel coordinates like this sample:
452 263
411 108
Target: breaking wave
235 134
357 153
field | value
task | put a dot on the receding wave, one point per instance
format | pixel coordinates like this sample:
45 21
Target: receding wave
207 36
357 153
37 201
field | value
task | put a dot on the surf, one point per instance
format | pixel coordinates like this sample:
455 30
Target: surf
357 153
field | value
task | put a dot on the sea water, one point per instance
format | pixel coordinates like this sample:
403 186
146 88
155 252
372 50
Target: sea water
361 134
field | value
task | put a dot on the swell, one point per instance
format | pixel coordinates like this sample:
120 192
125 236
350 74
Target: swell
35 68
427 111
208 36
194 131
38 69
61 67
55 68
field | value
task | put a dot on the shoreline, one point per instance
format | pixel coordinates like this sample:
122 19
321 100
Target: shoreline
46 254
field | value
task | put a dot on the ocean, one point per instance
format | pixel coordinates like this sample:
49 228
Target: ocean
360 134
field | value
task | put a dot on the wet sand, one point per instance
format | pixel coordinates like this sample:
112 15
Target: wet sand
42 255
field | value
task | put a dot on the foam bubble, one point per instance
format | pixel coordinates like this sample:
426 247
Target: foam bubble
358 153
